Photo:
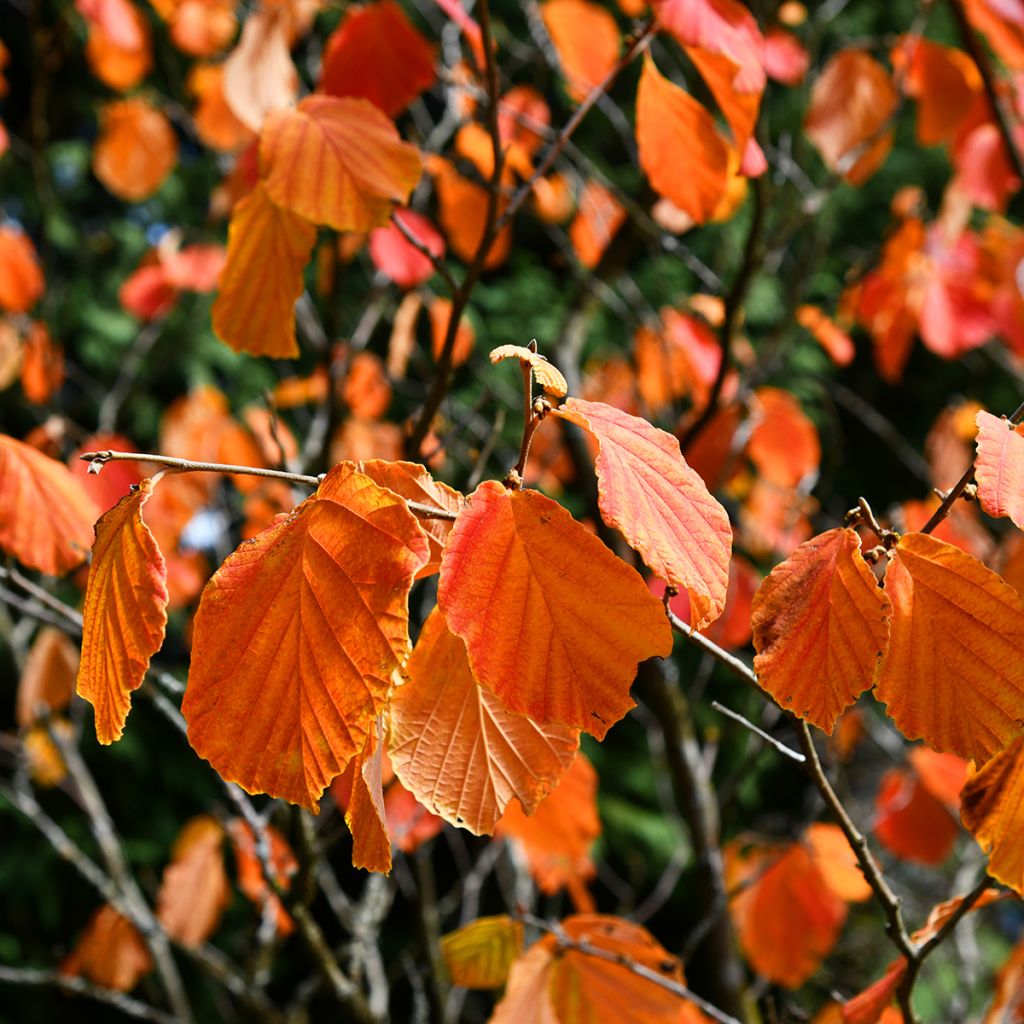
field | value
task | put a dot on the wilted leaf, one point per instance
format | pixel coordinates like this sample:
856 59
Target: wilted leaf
851 103
259 76
953 675
821 627
377 54
337 162
457 749
125 612
669 121
999 468
480 954
365 814
991 811
318 605
268 247
52 531
567 622
194 891
660 504
547 375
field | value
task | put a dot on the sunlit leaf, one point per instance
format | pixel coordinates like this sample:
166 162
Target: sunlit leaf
999 468
480 954
586 39
136 149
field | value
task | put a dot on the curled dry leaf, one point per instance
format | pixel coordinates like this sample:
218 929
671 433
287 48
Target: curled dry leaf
481 954
316 606
53 529
337 162
999 467
457 749
662 507
377 54
125 612
365 814
953 675
669 121
547 375
821 627
991 811
268 247
566 621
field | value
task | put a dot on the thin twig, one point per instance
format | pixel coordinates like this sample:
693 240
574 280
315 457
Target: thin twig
587 948
423 249
757 731
740 669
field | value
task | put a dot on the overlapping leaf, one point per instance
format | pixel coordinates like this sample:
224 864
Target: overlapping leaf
669 121
48 678
481 954
297 635
268 247
953 674
456 747
125 612
660 504
52 531
365 814
337 162
999 468
553 622
992 803
821 627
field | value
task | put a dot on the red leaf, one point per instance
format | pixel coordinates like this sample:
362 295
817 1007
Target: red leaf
397 257
999 468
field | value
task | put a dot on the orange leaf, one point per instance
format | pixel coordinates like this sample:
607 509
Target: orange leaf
832 338
598 219
110 952
42 367
120 63
558 835
365 814
337 162
125 612
991 811
1008 1000
669 121
787 916
251 879
566 622
523 114
412 482
851 103
999 468
318 604
457 749
910 822
462 211
821 627
660 504
480 954
953 675
833 857
550 984
377 54
942 775
586 39
215 121
784 443
48 678
52 531
440 313
366 389
194 891
268 247
21 280
136 149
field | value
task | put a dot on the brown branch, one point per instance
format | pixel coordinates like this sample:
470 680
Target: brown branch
757 731
587 948
977 53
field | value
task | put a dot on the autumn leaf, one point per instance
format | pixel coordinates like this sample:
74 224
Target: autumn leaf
990 811
832 338
252 880
136 149
851 103
48 677
268 247
125 612
394 255
110 952
21 280
52 531
337 162
194 890
910 822
365 814
377 54
669 121
463 215
297 635
586 39
456 747
557 985
566 622
952 675
598 218
784 444
836 861
546 374
259 76
662 507
999 468
480 954
821 627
